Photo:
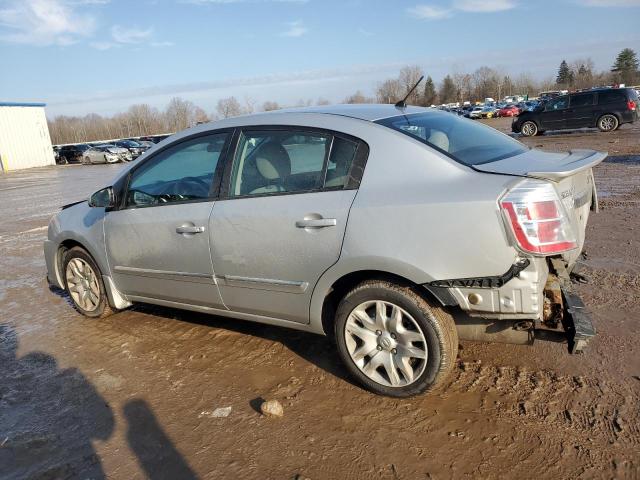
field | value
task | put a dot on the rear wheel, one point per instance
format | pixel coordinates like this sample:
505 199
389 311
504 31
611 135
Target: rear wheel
392 340
84 284
608 123
86 160
529 129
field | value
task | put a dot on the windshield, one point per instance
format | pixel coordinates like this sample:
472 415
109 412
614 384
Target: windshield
466 141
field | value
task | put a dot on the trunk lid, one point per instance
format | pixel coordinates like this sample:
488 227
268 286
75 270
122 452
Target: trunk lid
570 173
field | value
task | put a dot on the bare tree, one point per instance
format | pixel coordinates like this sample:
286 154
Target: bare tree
389 91
322 101
179 114
268 106
228 107
408 77
357 97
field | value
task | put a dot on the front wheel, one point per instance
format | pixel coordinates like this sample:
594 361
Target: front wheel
392 340
529 129
84 284
608 123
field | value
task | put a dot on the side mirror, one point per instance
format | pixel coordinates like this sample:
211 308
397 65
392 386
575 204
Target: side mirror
103 198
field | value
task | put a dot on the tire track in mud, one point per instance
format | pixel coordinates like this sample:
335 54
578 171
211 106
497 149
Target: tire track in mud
586 409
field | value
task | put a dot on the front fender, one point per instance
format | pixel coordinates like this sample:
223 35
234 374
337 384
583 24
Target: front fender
79 224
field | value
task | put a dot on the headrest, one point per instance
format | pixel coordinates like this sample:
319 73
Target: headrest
272 161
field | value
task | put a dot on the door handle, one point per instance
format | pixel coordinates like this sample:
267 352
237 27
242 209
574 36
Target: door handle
189 229
317 223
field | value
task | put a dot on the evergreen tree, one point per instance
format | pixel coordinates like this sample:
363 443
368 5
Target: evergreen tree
565 75
429 92
626 66
448 91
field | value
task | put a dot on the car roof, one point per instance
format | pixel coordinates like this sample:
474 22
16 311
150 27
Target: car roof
362 111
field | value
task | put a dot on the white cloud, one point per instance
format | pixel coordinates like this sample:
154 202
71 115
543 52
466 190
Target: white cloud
43 22
610 3
483 5
429 12
162 44
296 29
130 35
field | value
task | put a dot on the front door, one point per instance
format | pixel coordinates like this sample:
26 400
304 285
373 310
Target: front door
158 241
553 116
283 220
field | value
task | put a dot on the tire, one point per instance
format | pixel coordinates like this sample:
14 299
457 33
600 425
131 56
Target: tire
63 161
608 123
425 330
529 129
96 303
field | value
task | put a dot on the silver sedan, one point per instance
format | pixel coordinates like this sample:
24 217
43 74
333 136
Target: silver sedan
395 231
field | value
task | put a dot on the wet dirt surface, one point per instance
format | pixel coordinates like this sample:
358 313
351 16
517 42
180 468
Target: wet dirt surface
131 396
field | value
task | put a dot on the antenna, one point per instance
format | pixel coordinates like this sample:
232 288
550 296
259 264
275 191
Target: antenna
403 103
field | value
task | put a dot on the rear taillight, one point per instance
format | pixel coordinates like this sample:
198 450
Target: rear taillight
631 105
537 219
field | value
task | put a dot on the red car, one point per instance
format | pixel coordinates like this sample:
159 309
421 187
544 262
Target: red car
509 111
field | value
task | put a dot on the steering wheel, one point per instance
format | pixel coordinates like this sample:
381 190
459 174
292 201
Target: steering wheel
196 187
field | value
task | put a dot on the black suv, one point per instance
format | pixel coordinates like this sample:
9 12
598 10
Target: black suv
605 108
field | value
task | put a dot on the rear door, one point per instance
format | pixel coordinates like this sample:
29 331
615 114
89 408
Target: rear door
553 115
158 241
281 218
581 111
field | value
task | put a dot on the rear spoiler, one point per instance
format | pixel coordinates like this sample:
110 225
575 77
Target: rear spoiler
577 161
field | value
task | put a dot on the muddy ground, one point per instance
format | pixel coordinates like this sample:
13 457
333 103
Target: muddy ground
131 396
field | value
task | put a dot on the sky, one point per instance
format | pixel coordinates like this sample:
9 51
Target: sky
101 56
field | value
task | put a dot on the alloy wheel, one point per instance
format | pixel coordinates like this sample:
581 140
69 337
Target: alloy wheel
386 343
529 129
608 123
82 284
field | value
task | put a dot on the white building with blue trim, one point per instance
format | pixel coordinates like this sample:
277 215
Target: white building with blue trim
24 136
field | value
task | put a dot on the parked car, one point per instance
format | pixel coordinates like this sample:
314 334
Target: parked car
488 112
605 109
309 225
123 153
106 154
135 148
476 112
56 154
72 153
509 111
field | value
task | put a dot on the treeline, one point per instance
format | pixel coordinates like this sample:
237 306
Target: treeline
484 82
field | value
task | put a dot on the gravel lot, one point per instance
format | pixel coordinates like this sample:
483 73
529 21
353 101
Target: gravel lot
131 396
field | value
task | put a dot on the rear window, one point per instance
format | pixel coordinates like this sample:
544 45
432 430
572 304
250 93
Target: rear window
611 97
466 141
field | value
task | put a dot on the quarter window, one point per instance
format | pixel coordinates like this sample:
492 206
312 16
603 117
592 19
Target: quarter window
181 173
279 162
611 96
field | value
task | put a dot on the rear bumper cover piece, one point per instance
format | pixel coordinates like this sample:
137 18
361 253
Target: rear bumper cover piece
576 322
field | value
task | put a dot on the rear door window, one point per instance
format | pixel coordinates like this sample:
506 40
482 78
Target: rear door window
582 100
285 161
